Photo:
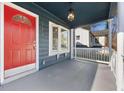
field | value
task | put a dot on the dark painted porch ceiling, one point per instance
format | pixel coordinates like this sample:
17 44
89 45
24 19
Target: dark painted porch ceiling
86 12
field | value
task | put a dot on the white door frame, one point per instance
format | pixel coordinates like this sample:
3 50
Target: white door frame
1 43
2 73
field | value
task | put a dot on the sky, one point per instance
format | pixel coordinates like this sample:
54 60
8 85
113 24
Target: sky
99 26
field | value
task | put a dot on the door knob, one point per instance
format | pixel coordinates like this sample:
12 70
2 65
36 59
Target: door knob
34 44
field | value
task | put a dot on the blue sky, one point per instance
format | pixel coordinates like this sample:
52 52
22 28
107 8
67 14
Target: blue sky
99 26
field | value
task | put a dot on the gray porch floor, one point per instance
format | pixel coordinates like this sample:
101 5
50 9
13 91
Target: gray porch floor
66 76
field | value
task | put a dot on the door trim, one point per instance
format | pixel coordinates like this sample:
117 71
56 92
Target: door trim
2 73
1 43
14 71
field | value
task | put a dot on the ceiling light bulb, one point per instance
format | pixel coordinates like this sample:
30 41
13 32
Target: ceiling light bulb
71 15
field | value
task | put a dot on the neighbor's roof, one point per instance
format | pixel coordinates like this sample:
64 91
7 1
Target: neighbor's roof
100 33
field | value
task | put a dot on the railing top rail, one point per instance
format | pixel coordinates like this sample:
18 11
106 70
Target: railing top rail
93 48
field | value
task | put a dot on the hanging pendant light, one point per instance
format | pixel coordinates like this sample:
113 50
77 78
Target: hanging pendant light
71 14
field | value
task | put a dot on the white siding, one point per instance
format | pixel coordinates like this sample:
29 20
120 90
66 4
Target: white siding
84 36
102 40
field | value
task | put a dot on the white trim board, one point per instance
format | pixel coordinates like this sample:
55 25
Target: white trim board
14 71
2 74
7 80
1 43
20 9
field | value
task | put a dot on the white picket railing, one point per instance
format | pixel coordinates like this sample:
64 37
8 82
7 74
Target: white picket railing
94 54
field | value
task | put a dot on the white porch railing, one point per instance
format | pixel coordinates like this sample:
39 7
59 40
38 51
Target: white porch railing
94 54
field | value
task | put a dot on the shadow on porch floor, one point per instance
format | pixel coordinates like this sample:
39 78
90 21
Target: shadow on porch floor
66 76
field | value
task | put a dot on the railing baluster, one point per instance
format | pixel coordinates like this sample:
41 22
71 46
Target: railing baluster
84 53
91 54
92 51
88 53
81 53
100 54
96 53
104 54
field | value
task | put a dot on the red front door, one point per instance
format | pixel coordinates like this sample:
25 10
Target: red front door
19 38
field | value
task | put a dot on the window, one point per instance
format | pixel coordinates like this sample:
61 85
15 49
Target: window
97 40
55 39
64 39
77 37
58 39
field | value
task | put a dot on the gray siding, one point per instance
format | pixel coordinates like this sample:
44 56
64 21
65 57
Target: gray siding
44 18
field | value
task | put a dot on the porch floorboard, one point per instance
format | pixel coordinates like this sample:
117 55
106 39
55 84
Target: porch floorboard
66 76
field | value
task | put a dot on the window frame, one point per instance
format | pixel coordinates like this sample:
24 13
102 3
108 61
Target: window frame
78 37
68 38
59 50
53 38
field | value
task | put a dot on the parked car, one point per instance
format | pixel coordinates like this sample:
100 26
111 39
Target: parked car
79 45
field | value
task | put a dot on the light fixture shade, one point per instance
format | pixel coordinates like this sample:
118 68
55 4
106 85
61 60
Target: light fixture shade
71 14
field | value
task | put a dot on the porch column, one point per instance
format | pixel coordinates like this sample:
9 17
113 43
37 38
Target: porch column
120 45
72 43
110 38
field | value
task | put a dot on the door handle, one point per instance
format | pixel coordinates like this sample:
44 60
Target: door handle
34 44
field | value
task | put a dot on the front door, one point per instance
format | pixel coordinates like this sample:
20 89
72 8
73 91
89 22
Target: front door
19 39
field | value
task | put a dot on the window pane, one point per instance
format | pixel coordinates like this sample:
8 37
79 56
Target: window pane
97 40
64 39
77 37
55 38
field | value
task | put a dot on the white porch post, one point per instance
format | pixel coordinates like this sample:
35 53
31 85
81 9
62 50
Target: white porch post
120 46
72 43
110 38
75 51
